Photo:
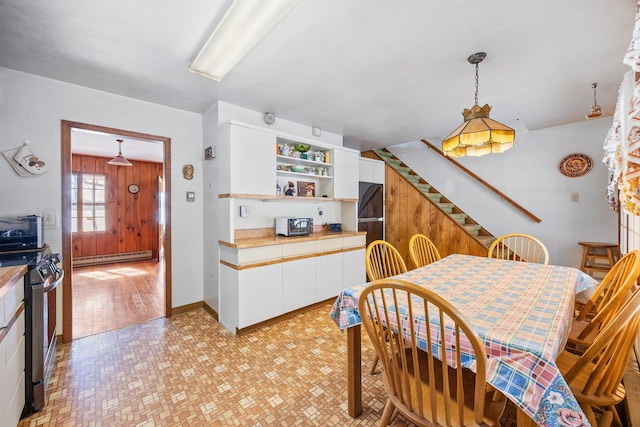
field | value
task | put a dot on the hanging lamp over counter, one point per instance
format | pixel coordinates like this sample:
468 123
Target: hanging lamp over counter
594 110
119 160
478 135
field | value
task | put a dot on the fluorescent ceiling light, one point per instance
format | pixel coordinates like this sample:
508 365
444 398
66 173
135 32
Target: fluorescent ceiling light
244 23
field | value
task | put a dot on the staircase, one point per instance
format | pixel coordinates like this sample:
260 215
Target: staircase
467 223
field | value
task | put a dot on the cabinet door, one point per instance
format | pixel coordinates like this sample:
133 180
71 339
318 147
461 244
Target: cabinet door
298 283
252 163
346 173
354 272
259 294
378 172
329 282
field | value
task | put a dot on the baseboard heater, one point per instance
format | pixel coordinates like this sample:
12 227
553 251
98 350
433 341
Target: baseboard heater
111 258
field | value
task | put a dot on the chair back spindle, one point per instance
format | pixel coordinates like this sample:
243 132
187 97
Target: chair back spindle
432 376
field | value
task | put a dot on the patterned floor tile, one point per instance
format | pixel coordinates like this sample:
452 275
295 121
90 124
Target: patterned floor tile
189 370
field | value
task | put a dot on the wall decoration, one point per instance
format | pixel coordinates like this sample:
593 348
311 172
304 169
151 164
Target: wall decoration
575 165
23 161
306 189
187 172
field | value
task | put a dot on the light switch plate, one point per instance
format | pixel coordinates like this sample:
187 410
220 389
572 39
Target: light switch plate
244 211
50 217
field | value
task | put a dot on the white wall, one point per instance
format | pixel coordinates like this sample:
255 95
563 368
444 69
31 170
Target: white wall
529 174
32 107
211 214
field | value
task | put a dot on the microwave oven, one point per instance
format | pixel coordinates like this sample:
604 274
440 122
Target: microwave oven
20 233
293 226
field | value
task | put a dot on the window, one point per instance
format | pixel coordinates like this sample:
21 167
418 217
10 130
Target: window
88 213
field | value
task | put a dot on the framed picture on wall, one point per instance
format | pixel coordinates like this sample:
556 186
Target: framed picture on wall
306 189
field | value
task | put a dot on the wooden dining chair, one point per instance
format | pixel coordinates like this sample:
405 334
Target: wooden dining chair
595 377
431 384
382 260
519 247
422 251
605 302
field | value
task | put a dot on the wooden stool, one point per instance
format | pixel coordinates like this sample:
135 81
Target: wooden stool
595 251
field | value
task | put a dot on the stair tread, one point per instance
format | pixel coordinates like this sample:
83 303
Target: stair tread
472 226
460 217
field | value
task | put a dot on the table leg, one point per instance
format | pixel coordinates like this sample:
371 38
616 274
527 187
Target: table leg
354 370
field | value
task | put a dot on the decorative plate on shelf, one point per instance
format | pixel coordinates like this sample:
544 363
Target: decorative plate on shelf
575 165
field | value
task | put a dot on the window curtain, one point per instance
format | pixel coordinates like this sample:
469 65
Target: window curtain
622 144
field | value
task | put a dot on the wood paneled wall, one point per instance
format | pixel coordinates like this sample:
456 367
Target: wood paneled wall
132 219
408 212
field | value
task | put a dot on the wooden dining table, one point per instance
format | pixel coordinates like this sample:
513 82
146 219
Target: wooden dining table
521 311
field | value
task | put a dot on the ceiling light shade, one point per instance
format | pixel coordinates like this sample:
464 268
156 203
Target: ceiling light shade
244 23
594 110
478 135
119 160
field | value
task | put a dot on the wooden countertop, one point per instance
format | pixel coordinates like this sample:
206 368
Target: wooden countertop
9 276
283 240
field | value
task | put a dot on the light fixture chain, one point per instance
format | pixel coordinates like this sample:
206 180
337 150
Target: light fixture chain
476 84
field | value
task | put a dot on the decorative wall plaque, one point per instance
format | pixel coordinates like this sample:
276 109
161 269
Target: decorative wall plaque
575 165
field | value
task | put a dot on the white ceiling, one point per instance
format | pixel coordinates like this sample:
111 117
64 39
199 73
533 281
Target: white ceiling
378 72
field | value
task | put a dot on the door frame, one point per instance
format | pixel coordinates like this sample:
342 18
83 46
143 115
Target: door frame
67 242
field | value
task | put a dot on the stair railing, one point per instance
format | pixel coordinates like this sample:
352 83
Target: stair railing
485 183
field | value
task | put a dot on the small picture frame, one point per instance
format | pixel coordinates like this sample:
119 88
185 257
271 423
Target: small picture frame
306 189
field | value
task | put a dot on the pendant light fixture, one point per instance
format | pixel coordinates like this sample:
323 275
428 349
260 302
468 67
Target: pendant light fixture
478 135
119 160
594 110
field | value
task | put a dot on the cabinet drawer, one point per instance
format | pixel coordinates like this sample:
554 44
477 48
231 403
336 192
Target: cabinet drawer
354 241
326 245
301 248
12 300
249 255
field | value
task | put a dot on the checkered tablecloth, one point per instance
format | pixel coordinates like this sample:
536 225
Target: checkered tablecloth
522 311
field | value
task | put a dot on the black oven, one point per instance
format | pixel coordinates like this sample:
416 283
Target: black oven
40 284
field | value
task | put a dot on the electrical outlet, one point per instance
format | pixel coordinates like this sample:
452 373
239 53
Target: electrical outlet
320 211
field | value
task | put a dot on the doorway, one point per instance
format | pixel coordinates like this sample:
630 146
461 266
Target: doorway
163 254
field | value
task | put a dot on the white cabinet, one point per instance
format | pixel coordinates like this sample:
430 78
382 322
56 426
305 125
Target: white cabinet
248 160
371 170
12 373
249 296
345 164
255 287
12 348
329 276
354 271
298 283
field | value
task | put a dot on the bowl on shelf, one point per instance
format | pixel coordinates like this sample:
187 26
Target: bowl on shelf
303 148
298 169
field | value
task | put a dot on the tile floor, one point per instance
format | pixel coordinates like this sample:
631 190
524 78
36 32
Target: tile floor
188 370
